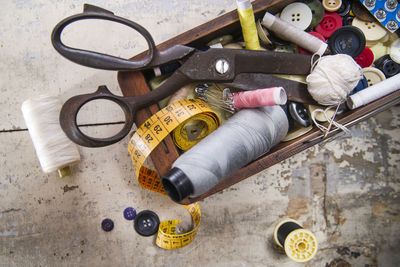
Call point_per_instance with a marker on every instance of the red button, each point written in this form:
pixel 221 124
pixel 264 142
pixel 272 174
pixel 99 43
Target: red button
pixel 330 23
pixel 366 58
pixel 305 52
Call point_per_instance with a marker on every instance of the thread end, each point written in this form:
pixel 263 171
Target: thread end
pixel 65 171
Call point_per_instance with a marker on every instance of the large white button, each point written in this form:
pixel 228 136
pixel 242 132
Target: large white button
pixel 372 30
pixel 297 14
pixel 373 75
pixel 395 51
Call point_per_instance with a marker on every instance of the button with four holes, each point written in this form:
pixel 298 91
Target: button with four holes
pixel 330 23
pixel 372 30
pixel 146 223
pixel 317 11
pixel 373 75
pixel 347 40
pixel 129 213
pixel 331 5
pixel 107 225
pixel 387 66
pixel 366 58
pixel 297 14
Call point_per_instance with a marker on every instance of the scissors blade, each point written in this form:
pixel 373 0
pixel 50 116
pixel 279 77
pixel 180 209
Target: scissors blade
pixel 247 61
pixel 296 91
pixel 176 52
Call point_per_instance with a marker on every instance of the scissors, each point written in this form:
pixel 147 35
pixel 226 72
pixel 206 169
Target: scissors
pixel 213 65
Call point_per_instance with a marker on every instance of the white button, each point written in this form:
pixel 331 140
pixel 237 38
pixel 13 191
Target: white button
pixel 395 51
pixel 297 14
pixel 372 31
pixel 331 5
pixel 379 50
pixel 373 75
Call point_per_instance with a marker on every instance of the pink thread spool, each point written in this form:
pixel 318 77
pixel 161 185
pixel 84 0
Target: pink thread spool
pixel 260 98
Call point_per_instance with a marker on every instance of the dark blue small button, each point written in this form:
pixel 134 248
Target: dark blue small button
pixel 129 213
pixel 387 66
pixel 361 85
pixel 107 225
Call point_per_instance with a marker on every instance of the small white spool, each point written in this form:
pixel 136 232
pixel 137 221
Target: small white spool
pixel 53 148
pixel 295 35
pixel 374 92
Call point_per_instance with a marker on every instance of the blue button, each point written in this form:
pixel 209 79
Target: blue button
pixel 107 225
pixel 129 213
pixel 361 85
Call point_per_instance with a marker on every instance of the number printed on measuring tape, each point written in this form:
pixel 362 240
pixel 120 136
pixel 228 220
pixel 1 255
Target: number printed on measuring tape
pixel 148 136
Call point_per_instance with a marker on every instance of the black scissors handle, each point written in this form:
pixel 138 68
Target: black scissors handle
pixel 95 59
pixel 70 110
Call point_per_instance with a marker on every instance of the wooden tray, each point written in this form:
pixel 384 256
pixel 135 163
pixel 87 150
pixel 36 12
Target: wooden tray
pixel 134 83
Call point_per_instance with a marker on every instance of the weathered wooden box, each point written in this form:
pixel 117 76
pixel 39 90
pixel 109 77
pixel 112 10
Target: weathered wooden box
pixel 134 83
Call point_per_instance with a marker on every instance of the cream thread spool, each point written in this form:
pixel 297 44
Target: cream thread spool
pixel 53 148
pixel 290 33
pixel 374 92
pixel 300 244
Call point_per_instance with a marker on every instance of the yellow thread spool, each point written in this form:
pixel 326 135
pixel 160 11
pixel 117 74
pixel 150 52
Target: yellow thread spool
pixel 300 244
pixel 248 23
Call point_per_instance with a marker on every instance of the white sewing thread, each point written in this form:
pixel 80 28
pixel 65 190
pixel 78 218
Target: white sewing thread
pixel 331 120
pixel 374 92
pixel 332 78
pixel 52 146
pixel 293 34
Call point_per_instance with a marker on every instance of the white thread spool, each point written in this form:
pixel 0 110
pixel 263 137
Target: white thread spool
pixel 246 136
pixel 295 35
pixel 374 92
pixel 53 148
pixel 333 78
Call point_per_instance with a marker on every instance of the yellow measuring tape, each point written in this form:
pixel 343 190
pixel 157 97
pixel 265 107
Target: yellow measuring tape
pixel 148 136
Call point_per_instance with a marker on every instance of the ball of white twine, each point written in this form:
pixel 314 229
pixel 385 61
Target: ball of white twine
pixel 332 78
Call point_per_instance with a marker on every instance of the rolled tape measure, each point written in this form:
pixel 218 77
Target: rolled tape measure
pixel 149 135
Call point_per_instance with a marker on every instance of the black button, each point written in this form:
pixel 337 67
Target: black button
pixel 345 8
pixel 299 113
pixel 146 223
pixel 347 40
pixel 107 225
pixel 387 66
pixel 347 20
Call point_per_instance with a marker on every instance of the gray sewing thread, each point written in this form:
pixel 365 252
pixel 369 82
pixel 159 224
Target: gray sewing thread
pixel 247 135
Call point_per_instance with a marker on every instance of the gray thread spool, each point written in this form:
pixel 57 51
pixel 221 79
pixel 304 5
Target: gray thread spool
pixel 247 135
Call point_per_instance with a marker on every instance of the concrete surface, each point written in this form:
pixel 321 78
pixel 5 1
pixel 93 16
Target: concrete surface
pixel 346 191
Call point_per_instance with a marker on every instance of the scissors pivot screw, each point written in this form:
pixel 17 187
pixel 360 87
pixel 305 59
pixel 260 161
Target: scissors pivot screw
pixel 222 66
